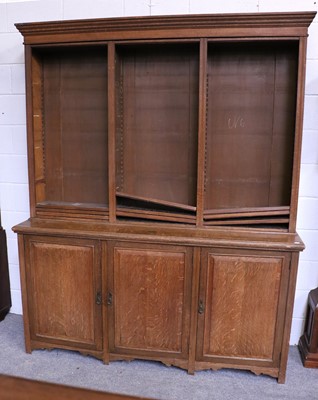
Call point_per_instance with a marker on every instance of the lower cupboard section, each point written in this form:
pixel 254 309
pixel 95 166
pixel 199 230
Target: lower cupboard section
pixel 196 308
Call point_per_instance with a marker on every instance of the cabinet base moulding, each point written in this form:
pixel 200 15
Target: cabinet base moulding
pixel 308 343
pixel 3 313
pixel 48 346
pixel 310 360
pixel 273 372
pixel 183 364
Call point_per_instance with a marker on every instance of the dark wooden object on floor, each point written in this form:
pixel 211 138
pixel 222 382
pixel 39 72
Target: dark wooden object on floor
pixel 5 296
pixel 308 343
pixel 164 158
pixel 12 388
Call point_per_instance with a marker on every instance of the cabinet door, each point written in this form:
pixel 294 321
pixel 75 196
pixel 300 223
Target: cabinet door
pixel 64 281
pixel 242 306
pixel 149 288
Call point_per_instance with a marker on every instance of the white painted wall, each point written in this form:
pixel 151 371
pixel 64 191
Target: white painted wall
pixel 14 201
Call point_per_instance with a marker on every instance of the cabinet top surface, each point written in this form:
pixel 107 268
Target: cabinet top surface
pixel 292 24
pixel 164 233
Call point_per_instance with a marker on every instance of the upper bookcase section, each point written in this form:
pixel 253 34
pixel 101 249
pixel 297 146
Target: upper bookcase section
pixel 165 27
pixel 193 120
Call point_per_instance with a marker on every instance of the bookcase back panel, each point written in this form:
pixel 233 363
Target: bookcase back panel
pixel 250 125
pixel 157 124
pixel 74 106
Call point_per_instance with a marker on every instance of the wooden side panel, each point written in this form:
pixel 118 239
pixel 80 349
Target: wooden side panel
pixel 151 300
pixel 298 132
pixel 37 128
pixel 63 279
pixel 241 300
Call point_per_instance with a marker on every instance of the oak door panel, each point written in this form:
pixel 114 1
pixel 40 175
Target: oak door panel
pixel 151 295
pixel 63 276
pixel 242 296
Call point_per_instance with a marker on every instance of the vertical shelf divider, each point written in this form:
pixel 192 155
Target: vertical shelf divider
pixel 111 131
pixel 202 130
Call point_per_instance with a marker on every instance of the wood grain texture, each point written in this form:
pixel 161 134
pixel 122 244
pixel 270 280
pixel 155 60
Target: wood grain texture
pixel 30 138
pixel 163 358
pixel 298 131
pixel 290 283
pixel 37 128
pixel 12 388
pixel 24 293
pixel 150 294
pixel 63 277
pixel 194 309
pixel 75 125
pixel 241 305
pixel 167 234
pixel 266 85
pixel 111 115
pixel 218 25
pixel 157 144
pixel 251 97
pixel 257 370
pixel 140 131
pixel 67 211
pixel 105 312
pixel 202 127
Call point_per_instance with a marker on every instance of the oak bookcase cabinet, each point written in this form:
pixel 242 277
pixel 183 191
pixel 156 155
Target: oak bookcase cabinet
pixel 164 157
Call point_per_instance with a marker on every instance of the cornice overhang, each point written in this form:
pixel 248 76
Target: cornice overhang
pixel 291 24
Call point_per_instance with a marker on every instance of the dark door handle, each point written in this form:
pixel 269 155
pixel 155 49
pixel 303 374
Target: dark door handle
pixel 201 307
pixel 98 299
pixel 109 299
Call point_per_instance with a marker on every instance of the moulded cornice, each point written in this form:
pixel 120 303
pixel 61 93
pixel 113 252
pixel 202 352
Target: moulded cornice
pixel 293 24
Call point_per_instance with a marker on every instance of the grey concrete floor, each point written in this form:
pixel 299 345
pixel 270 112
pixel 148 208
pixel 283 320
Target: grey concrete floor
pixel 148 379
